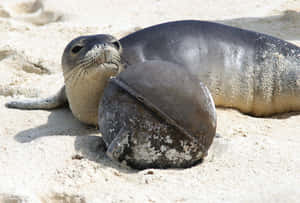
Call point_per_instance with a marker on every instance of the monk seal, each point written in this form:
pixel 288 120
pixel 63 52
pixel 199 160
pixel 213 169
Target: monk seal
pixel 253 72
pixel 151 120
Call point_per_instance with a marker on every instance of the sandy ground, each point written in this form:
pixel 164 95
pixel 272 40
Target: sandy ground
pixel 48 156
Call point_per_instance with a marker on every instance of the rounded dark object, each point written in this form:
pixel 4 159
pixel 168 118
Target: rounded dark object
pixel 156 115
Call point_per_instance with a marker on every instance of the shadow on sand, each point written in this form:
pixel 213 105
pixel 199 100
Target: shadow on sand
pixel 88 142
pixel 60 122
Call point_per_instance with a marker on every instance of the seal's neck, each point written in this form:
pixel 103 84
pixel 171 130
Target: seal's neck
pixel 85 93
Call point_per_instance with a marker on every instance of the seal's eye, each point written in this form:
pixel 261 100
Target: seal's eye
pixel 117 45
pixel 76 49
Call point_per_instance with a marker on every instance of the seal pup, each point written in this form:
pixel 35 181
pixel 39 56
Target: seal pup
pixel 255 73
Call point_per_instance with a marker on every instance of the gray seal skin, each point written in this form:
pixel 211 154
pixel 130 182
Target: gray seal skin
pixel 255 73
pixel 151 120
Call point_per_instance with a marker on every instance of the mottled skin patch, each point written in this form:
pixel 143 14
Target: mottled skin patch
pixel 144 129
pixel 152 142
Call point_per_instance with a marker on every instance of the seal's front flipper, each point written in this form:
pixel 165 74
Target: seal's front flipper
pixel 52 102
pixel 117 147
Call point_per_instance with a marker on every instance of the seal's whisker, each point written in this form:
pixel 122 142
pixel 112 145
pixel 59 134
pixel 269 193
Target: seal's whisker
pixel 75 75
pixel 78 74
pixel 69 74
pixel 81 72
pixel 72 73
pixel 84 71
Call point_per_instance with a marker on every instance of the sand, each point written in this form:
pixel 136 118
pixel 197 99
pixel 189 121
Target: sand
pixel 49 156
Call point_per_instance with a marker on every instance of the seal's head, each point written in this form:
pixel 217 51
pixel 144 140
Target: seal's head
pixel 88 62
pixel 94 51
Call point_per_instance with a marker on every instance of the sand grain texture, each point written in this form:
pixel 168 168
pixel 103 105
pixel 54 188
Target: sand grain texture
pixel 48 156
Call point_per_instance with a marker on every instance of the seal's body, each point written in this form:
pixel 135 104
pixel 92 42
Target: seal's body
pixel 253 72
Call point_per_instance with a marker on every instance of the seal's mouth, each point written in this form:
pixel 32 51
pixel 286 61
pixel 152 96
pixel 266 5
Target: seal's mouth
pixel 102 56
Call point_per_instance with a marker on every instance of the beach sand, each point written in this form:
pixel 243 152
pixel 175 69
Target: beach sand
pixel 49 156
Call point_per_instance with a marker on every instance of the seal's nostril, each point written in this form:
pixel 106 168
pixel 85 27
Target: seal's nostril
pixel 117 45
